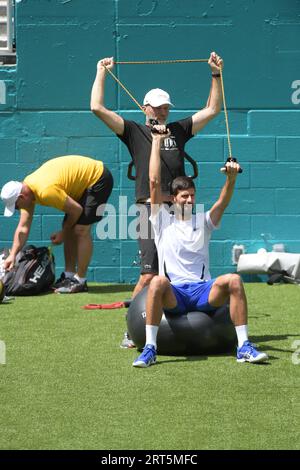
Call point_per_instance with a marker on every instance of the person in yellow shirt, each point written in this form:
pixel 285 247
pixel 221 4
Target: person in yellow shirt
pixel 77 185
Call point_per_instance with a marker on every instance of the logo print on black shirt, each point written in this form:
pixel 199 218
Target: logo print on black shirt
pixel 170 143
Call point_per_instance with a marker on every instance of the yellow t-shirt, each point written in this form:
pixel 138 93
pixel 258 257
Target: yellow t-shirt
pixel 61 177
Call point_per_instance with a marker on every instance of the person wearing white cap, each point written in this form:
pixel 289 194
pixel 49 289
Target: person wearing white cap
pixel 9 195
pixel 137 138
pixel 157 98
pixel 74 184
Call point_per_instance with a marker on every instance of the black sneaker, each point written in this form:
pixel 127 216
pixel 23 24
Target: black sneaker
pixel 60 281
pixel 71 286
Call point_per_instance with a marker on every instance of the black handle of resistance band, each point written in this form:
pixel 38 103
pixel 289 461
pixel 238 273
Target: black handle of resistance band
pixel 154 122
pixel 230 159
pixel 194 165
pixel 130 176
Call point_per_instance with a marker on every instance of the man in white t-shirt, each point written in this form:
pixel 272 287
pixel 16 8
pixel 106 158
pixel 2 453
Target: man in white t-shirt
pixel 182 240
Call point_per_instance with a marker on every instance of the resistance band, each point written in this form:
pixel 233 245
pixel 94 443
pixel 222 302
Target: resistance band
pixel 113 305
pixel 175 61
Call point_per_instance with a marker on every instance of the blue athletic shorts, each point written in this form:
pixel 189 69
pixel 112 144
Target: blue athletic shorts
pixel 192 296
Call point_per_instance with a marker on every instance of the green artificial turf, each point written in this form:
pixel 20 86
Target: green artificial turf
pixel 67 384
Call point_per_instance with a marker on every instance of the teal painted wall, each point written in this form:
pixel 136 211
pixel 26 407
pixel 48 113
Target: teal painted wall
pixel 45 109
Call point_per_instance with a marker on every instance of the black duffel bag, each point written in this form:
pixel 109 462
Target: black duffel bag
pixel 33 273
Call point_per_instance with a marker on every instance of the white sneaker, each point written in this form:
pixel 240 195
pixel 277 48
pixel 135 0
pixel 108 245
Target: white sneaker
pixel 127 342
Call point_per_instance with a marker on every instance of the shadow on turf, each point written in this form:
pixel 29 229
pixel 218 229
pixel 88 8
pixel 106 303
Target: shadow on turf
pixel 273 337
pixel 260 315
pixel 180 359
pixel 266 338
pixel 193 358
pixel 205 358
pixel 111 289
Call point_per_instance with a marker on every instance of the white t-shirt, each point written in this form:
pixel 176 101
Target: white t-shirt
pixel 182 246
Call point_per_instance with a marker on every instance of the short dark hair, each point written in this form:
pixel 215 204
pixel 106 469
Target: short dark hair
pixel 181 183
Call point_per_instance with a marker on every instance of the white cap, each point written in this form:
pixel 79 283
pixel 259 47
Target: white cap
pixel 157 97
pixel 9 195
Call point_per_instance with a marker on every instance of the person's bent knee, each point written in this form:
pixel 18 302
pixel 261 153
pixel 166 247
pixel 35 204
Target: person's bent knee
pixel 82 230
pixel 159 283
pixel 145 279
pixel 235 283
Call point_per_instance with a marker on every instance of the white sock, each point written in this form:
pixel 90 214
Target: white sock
pixel 151 334
pixel 69 274
pixel 242 334
pixel 80 279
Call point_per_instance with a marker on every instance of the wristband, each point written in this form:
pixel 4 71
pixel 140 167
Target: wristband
pixel 216 75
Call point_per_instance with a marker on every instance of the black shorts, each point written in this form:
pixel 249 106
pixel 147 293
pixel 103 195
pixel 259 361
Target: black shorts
pixel 93 197
pixel 148 252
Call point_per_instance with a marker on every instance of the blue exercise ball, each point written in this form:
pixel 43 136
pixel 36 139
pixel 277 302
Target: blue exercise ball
pixel 194 333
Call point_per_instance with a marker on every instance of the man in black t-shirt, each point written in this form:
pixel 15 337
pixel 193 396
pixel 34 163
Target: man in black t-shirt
pixel 138 140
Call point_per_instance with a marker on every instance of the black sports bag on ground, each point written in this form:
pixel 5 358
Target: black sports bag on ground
pixel 33 273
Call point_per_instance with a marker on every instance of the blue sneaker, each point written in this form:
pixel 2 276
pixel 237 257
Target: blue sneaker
pixel 248 353
pixel 147 358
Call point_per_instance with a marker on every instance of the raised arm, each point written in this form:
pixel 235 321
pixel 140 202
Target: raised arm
pixel 217 210
pixel 20 236
pixel 214 102
pixel 155 166
pixel 110 118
